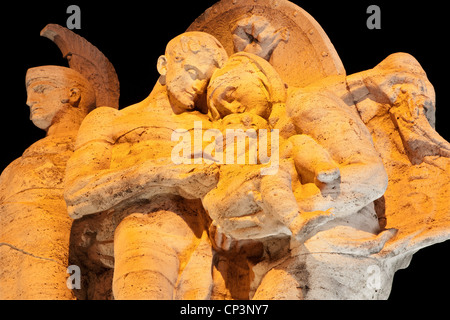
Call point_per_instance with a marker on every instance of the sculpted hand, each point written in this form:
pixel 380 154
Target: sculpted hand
pixel 247 206
pixel 189 181
pixel 306 222
pixel 227 245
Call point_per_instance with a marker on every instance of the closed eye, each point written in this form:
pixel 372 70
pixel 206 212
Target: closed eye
pixel 194 72
pixel 41 88
pixel 228 95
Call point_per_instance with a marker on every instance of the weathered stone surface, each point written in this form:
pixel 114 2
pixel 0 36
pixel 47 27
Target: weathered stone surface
pixel 35 228
pixel 279 31
pixel 255 169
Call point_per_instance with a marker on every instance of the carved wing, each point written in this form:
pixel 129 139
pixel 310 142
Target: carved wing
pixel 88 61
pixel 397 103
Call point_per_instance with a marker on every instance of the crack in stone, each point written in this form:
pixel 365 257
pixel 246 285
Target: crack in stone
pixel 29 253
pixel 6 200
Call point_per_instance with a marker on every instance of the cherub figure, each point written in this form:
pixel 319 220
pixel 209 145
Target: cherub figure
pixel 319 182
pixel 247 93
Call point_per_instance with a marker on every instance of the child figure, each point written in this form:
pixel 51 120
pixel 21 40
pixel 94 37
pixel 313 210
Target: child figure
pixel 247 93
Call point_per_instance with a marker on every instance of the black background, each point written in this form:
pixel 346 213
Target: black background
pixel 134 34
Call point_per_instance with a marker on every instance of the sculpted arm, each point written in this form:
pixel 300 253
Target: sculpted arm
pixel 94 184
pixel 88 172
pixel 363 177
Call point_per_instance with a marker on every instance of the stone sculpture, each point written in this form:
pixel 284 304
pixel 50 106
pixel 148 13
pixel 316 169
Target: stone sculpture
pixel 306 207
pixel 34 226
pixel 389 113
pixel 127 158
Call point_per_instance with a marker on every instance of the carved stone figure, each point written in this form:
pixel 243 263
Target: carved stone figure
pixel 335 111
pixel 255 34
pixel 332 183
pixel 310 182
pixel 122 163
pixel 34 224
pixel 278 31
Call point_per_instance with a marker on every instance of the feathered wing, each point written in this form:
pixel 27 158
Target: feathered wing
pixel 397 103
pixel 88 61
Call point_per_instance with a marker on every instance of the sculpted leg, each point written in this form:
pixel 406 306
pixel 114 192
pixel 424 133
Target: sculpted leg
pixel 279 284
pixel 34 248
pixel 151 250
pixel 145 268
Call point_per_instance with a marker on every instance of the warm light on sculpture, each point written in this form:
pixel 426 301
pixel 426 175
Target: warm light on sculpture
pixel 34 226
pixel 329 188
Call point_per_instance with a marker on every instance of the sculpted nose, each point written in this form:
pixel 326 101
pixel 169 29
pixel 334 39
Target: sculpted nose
pixel 32 99
pixel 199 86
pixel 30 102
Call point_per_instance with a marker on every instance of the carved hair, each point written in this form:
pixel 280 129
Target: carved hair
pixel 196 42
pixel 265 78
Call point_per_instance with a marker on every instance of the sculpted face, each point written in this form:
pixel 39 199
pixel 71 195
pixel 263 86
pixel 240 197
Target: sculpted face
pixel 46 100
pixel 241 86
pixel 234 95
pixel 188 65
pixel 52 91
pixel 187 77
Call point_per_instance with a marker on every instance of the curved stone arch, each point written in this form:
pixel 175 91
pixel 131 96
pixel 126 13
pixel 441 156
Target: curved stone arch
pixel 307 56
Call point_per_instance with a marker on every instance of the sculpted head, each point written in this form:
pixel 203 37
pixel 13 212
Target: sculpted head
pixel 246 84
pixel 54 92
pixel 187 66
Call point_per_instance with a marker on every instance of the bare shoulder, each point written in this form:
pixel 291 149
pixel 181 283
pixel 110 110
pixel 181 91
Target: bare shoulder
pixel 311 109
pixel 98 125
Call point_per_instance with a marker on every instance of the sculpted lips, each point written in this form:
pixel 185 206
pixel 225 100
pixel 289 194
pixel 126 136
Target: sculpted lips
pixel 35 109
pixel 191 96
